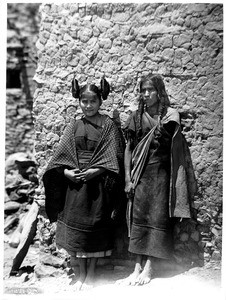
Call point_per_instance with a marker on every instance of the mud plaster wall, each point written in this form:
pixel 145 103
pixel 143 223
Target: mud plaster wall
pixel 183 43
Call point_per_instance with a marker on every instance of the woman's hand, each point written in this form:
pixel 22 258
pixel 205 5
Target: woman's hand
pixel 73 175
pixel 129 189
pixel 88 174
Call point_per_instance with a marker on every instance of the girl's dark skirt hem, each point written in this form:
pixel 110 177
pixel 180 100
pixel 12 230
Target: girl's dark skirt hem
pixel 73 239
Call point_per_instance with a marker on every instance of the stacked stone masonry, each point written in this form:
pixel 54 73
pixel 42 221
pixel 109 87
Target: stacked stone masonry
pixel 22 33
pixel 183 43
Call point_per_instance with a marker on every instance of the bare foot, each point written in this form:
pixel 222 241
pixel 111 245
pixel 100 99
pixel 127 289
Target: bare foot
pixel 87 286
pixel 79 283
pixel 73 280
pixel 144 277
pixel 89 282
pixel 130 280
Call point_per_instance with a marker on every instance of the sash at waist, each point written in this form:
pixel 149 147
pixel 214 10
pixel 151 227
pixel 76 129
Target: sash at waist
pixel 84 156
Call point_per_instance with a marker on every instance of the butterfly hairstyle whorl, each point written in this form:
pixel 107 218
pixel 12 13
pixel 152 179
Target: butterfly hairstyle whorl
pixel 75 88
pixel 102 92
pixel 104 88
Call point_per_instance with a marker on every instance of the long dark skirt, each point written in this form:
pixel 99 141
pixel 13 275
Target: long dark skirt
pixel 85 224
pixel 151 232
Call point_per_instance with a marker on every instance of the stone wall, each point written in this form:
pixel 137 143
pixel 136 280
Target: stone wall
pixel 183 43
pixel 22 33
pixel 19 134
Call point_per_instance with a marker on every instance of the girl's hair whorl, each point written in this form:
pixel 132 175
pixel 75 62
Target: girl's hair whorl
pixel 102 92
pixel 75 88
pixel 104 88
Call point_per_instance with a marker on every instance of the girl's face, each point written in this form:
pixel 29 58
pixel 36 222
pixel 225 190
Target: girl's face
pixel 89 104
pixel 149 93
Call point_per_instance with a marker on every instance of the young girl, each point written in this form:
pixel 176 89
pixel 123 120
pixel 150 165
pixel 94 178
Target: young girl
pixel 81 181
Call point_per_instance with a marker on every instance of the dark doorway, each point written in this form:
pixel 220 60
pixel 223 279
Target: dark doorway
pixel 13 79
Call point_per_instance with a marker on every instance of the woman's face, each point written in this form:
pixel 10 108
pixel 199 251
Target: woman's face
pixel 89 104
pixel 149 93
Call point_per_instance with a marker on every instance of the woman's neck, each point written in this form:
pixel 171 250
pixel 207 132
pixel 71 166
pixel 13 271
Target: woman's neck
pixel 153 110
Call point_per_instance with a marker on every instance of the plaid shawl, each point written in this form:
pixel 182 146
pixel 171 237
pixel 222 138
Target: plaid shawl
pixel 108 155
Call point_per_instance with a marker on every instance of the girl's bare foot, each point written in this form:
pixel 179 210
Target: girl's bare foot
pixel 87 286
pixel 89 280
pixel 83 271
pixel 79 283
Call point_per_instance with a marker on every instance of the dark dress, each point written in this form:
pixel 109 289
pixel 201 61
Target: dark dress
pixel 85 224
pixel 151 230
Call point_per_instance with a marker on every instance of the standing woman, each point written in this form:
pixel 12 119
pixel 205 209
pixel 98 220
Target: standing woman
pixel 81 182
pixel 155 177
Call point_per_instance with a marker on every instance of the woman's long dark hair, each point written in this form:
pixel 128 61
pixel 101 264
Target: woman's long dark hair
pixel 162 98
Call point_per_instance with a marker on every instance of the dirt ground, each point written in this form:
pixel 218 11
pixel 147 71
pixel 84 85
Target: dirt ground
pixel 196 283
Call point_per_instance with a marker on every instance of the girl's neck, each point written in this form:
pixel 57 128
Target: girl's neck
pixel 94 119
